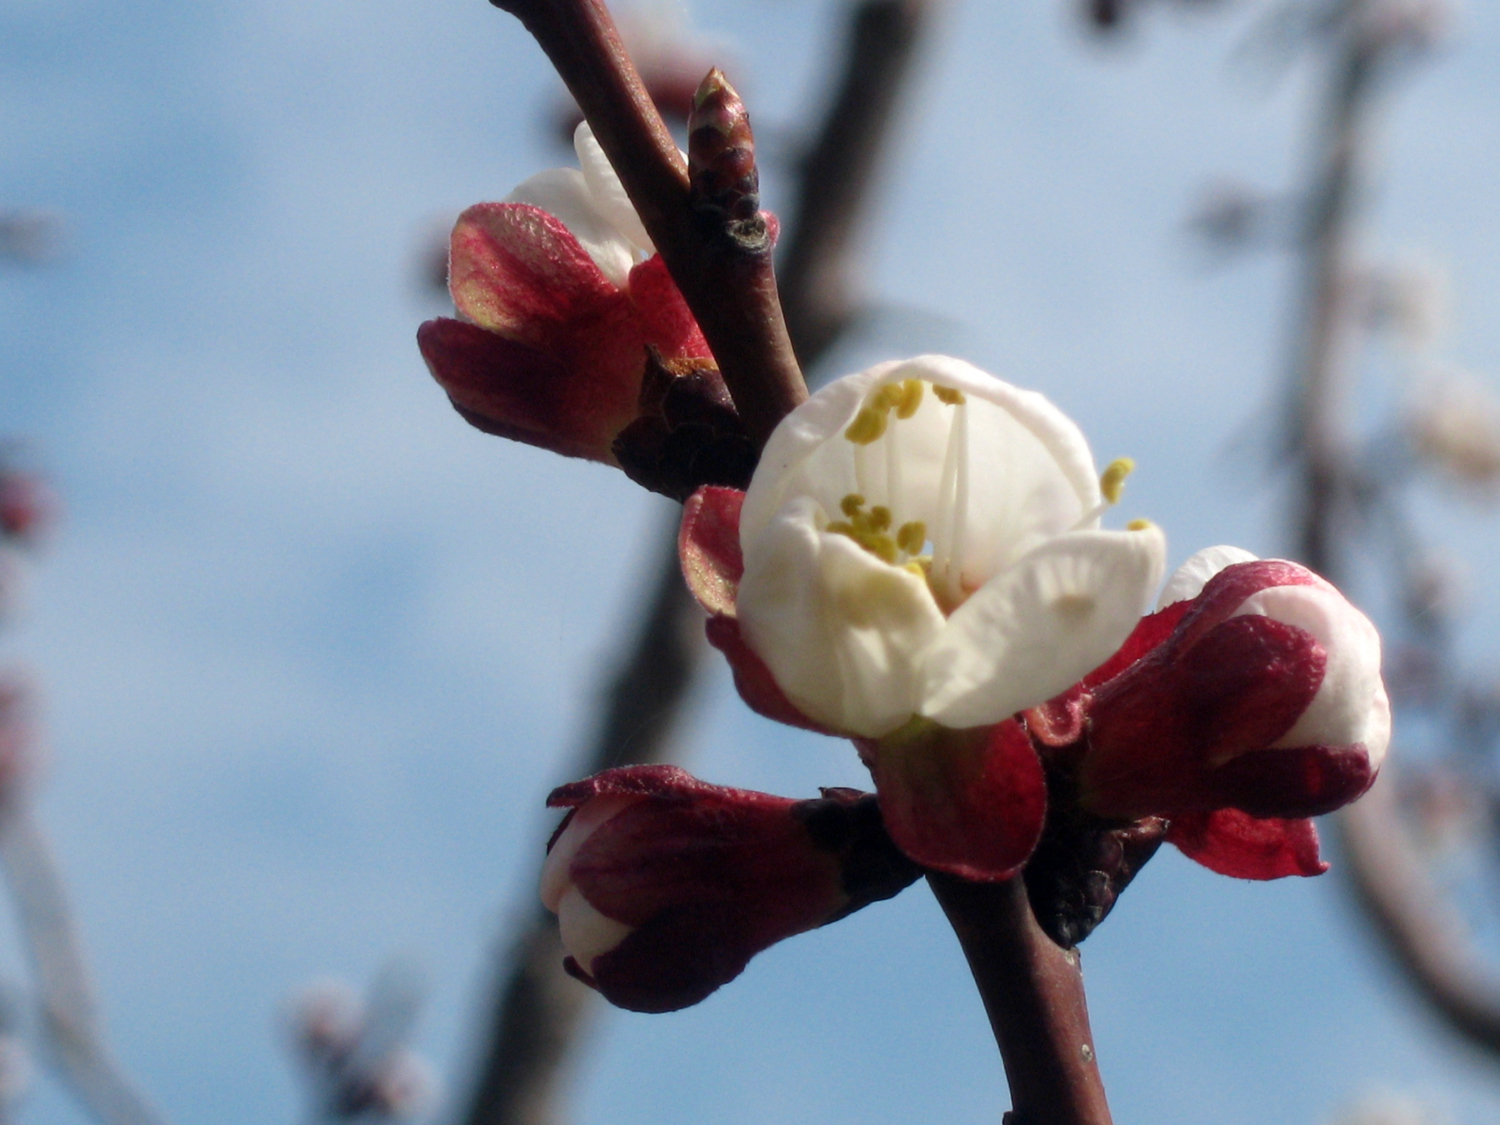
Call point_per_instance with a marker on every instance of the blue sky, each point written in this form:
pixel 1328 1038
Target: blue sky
pixel 314 651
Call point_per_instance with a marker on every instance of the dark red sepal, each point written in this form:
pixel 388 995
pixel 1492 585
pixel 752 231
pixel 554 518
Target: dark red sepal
pixel 753 680
pixel 1059 721
pixel 1237 844
pixel 1161 734
pixel 708 544
pixel 709 876
pixel 971 802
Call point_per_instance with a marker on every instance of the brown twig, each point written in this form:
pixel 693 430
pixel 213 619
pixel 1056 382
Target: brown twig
pixel 539 1012
pixel 729 284
pixel 1033 995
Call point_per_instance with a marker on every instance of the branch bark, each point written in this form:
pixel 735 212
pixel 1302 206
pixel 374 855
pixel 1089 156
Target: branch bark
pixel 539 1013
pixel 1033 995
pixel 729 286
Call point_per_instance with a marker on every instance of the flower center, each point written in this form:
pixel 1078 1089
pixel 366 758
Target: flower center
pixel 889 531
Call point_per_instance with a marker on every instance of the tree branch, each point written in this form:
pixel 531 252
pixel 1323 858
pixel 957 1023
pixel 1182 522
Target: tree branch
pixel 729 285
pixel 1414 920
pixel 1033 995
pixel 540 1012
pixel 817 270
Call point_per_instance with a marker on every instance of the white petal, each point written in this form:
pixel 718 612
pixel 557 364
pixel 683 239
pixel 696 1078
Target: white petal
pixel 586 933
pixel 1188 580
pixel 838 628
pixel 556 878
pixel 608 192
pixel 562 192
pixel 1351 705
pixel 1030 470
pixel 1041 625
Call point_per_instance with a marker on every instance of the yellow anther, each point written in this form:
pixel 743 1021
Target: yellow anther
pixel 1139 525
pixel 883 547
pixel 910 398
pixel 841 527
pixel 951 395
pixel 917 567
pixel 851 504
pixel 911 536
pixel 880 517
pixel 867 426
pixel 1112 480
pixel 886 397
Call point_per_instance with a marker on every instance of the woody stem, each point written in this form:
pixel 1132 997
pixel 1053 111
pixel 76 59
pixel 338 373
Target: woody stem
pixel 729 286
pixel 1033 994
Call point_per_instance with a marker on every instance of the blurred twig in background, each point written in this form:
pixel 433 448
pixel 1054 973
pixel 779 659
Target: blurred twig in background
pixel 538 1012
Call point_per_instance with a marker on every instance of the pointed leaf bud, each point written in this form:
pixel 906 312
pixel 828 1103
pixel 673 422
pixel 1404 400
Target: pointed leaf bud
pixel 721 162
pixel 666 886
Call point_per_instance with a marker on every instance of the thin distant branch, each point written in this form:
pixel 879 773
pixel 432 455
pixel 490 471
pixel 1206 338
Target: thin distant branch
pixel 539 1012
pixel 1414 920
pixel 1410 914
pixel 818 279
pixel 68 1009
pixel 729 285
pixel 1033 995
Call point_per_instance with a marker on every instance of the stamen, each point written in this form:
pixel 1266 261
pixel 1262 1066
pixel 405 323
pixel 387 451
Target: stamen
pixel 911 536
pixel 911 398
pixel 1139 525
pixel 867 426
pixel 950 395
pixel 851 503
pixel 880 517
pixel 1112 480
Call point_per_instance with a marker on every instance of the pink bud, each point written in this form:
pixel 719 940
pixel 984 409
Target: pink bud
pixel 666 886
pixel 1266 698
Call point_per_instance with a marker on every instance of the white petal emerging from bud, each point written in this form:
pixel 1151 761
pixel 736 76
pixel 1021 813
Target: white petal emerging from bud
pixel 1351 705
pixel 562 192
pixel 586 933
pixel 608 192
pixel 1188 580
pixel 922 538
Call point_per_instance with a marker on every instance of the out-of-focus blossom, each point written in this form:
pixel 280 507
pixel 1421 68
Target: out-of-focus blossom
pixel 665 887
pixel 26 505
pixel 1389 1108
pixel 670 57
pixel 561 302
pixel 1411 300
pixel 354 1052
pixel 1454 425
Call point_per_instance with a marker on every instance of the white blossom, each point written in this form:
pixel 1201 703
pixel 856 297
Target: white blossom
pixel 923 539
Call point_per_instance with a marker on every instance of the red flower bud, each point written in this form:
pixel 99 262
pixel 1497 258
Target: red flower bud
pixel 666 886
pixel 1265 698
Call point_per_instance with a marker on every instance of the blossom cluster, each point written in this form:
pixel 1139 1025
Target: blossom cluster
pixel 917 563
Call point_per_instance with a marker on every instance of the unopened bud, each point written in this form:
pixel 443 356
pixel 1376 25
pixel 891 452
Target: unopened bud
pixel 721 160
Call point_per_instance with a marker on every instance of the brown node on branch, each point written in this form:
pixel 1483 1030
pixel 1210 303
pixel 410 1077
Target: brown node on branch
pixel 721 163
pixel 1082 865
pixel 688 433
